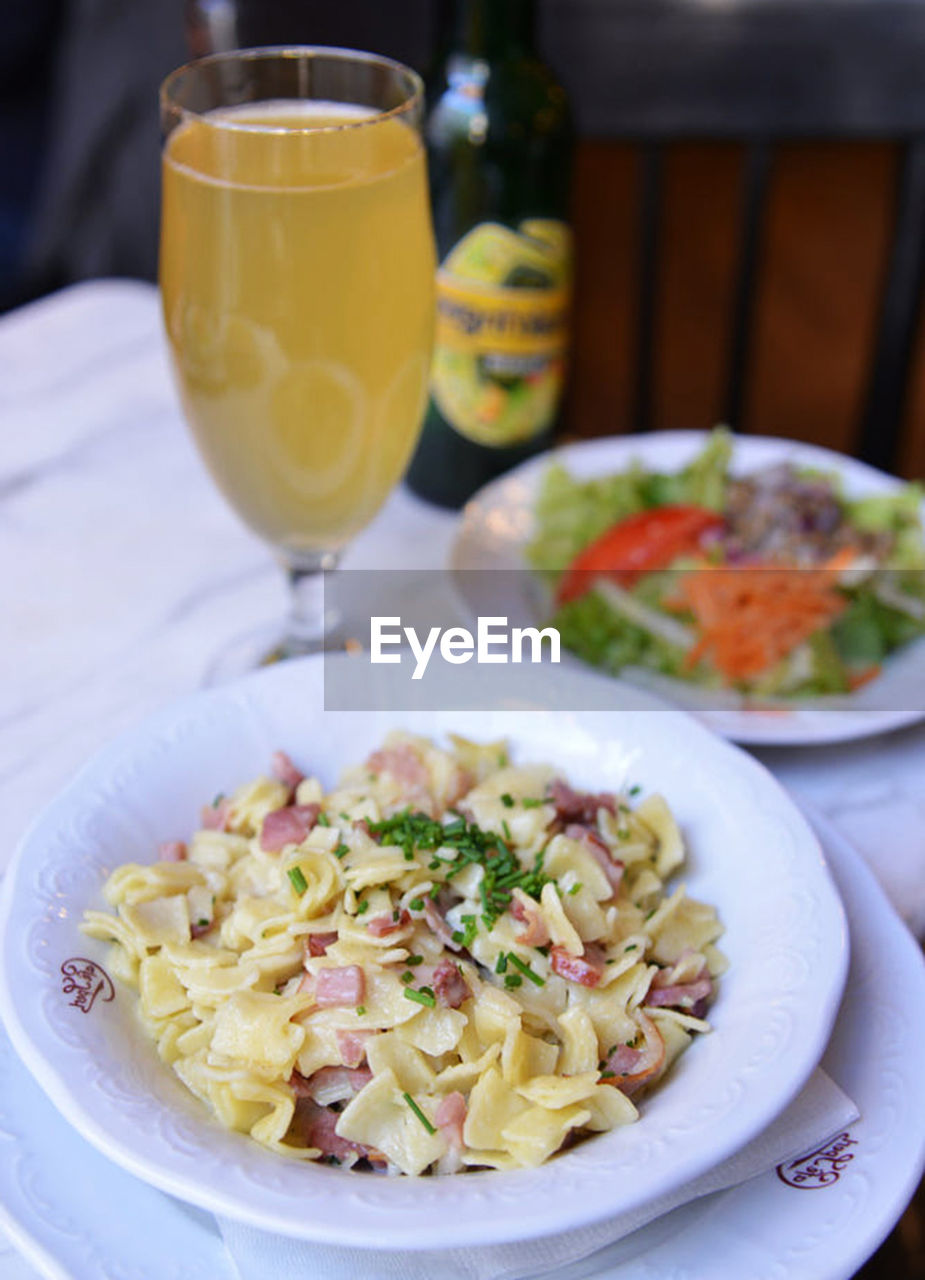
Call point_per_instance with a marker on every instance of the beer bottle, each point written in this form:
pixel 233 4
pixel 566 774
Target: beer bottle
pixel 499 138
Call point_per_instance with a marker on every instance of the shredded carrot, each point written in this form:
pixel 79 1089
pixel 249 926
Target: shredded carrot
pixel 750 618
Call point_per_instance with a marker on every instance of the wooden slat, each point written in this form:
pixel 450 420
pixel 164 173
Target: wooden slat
pixel 829 223
pixel 700 221
pixel 648 242
pixel 755 186
pixel 605 194
pixel 891 356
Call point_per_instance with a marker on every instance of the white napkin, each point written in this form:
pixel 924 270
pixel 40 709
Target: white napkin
pixel 818 1113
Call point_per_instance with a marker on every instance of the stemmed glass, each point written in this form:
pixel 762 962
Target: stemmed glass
pixel 297 278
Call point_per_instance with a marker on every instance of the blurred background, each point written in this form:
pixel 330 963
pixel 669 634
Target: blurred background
pixel 749 196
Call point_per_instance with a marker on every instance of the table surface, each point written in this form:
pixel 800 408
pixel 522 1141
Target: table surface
pixel 100 629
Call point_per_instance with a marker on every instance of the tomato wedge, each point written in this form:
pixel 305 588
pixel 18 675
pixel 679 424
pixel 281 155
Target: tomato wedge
pixel 637 545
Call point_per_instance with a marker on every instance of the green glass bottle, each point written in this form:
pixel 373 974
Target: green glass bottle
pixel 500 144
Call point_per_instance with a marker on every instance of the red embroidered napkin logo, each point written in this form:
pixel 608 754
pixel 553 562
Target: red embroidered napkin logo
pixel 85 980
pixel 821 1167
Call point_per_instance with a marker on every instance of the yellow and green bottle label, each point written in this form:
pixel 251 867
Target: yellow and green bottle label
pixel 502 330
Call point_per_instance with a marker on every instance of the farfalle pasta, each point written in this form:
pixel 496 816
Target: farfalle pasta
pixel 447 962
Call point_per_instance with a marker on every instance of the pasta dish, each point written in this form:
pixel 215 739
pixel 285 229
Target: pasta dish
pixel 447 962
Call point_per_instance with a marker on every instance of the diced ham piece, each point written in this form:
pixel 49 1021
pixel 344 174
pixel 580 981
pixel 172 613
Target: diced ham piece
pixel 342 986
pixel 439 926
pixel 382 925
pixel 525 910
pixel 330 1084
pixel 450 987
pixel 286 771
pixel 599 850
pixel 352 1046
pixel 586 969
pixel 450 1117
pixel 215 816
pixel 633 1068
pixel 404 764
pixel 317 1127
pixel 317 943
pixel 691 996
pixel 289 825
pixel 579 806
pixel 172 851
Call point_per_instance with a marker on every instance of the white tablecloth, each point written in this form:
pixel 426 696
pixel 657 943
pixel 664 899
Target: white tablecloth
pixel 123 573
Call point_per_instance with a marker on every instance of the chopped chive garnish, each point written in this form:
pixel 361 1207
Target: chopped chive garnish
pixel 342 850
pixel 418 1112
pixel 650 914
pixel 512 980
pixel 623 833
pixel 531 803
pixel 501 965
pixel 457 935
pixel 361 1009
pixel 608 1075
pixel 425 996
pixel 323 820
pixel 409 856
pixel 201 924
pixel 576 888
pixel 407 976
pixel 434 893
pixel 507 800
pixel 345 817
pixel 507 831
pixel 635 789
pixel 633 946
pixel 362 906
pixel 415 960
pixel 462 844
pixel 526 970
pixel 217 799
pixel 416 904
pixel 396 915
pixel 297 879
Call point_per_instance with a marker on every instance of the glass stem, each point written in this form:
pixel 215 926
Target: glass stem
pixel 311 624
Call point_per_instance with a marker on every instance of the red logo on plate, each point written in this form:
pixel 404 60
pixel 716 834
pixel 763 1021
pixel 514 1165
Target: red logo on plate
pixel 85 980
pixel 821 1167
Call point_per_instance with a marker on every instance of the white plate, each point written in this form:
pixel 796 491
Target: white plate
pixel 77 1216
pixel 497 523
pixel 752 854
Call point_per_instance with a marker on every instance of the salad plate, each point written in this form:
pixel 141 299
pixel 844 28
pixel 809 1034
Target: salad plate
pixel 77 1216
pixel 531 521
pixel 750 853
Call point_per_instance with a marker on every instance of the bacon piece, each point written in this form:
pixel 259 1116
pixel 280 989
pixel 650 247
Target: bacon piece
pixel 579 806
pixel 599 850
pixel 289 825
pixel 382 925
pixel 438 925
pixel 524 909
pixel 633 1068
pixel 450 987
pixel 686 996
pixel 171 851
pixel 330 1084
pixel 317 943
pixel 344 986
pixel 215 816
pixel 316 1126
pixel 404 764
pixel 352 1046
pixel 450 1117
pixel 286 771
pixel 586 969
